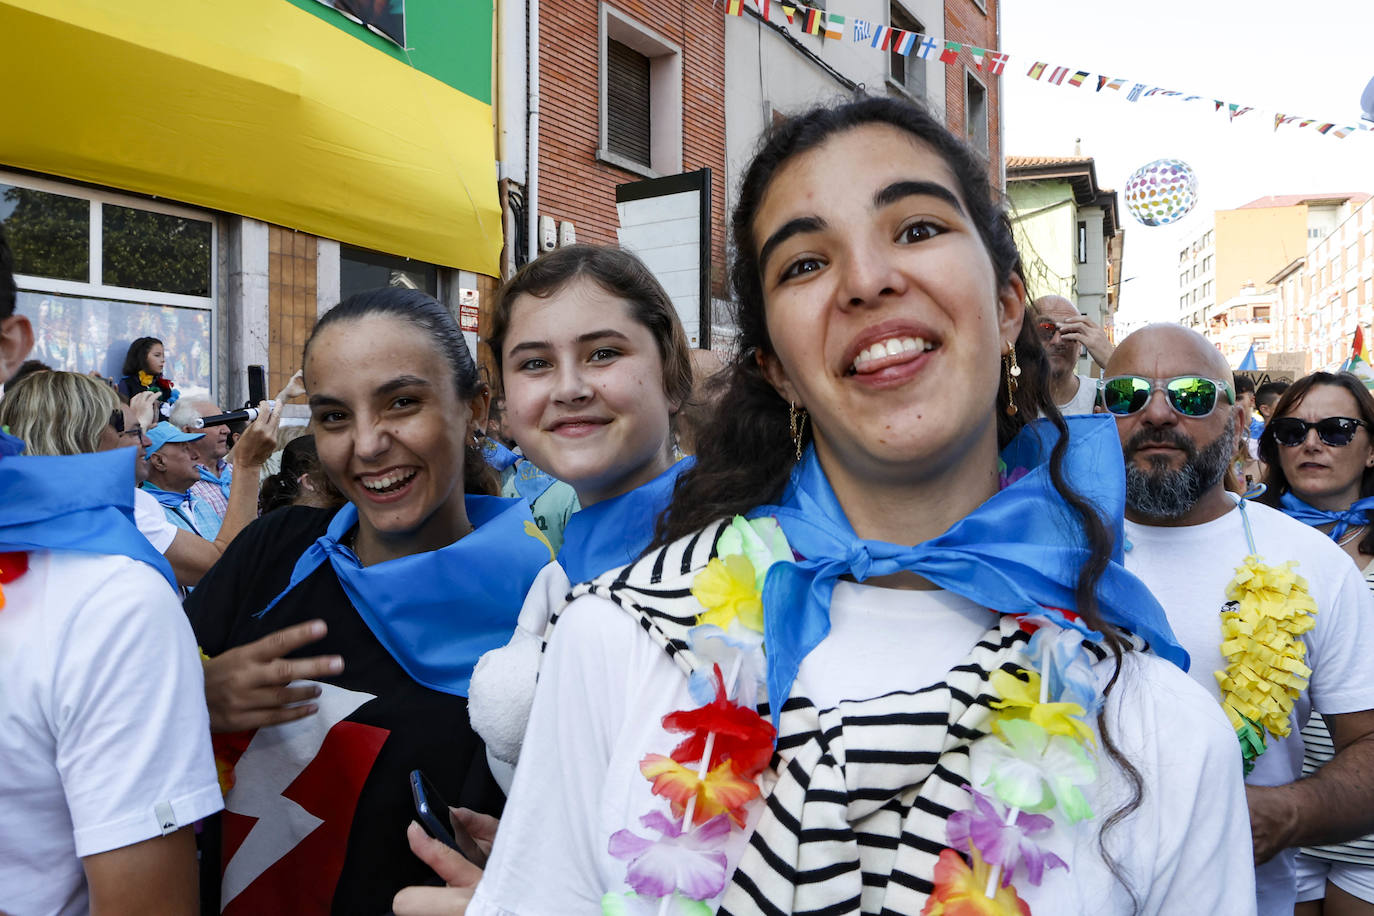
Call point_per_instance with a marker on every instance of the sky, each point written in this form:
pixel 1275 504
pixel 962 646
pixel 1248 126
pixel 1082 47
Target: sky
pixel 1311 58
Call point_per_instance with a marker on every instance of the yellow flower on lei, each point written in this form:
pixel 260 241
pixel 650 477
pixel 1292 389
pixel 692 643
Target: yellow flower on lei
pixel 1261 642
pixel 1021 700
pixel 961 890
pixel 727 589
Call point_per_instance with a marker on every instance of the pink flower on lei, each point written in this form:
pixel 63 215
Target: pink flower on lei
pixel 689 862
pixel 1001 843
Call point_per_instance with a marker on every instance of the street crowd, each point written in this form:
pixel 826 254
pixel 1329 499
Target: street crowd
pixel 887 609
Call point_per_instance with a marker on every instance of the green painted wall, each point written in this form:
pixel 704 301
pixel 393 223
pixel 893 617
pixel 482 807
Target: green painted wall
pixel 1045 225
pixel 448 39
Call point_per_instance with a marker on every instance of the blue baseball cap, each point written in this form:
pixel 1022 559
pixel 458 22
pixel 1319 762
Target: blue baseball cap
pixel 165 432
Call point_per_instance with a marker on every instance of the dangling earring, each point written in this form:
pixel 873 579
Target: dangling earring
pixel 1013 372
pixel 796 421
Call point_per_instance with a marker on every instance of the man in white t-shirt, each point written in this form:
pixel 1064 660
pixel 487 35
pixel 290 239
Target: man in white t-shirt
pixel 1066 333
pixel 105 756
pixel 1187 535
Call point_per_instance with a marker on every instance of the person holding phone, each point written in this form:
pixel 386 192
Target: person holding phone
pixel 1066 333
pixel 394 596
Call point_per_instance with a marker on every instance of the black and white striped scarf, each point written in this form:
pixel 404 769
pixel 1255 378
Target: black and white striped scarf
pixel 856 796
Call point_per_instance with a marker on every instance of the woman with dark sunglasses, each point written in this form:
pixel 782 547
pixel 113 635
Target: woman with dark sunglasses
pixel 1320 456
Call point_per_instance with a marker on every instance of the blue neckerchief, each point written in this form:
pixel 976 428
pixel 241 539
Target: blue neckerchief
pixel 1017 553
pixel 497 455
pixel 437 612
pixel 1357 514
pixel 530 481
pixel 616 531
pixel 223 482
pixel 72 502
pixel 169 498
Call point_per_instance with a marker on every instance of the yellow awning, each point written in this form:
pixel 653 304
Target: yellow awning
pixel 252 107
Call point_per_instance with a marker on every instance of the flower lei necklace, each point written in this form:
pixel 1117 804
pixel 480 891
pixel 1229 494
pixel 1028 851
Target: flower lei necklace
pixel 1036 756
pixel 12 566
pixel 1268 609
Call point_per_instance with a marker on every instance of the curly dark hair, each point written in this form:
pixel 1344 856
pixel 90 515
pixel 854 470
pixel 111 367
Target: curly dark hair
pixel 745 454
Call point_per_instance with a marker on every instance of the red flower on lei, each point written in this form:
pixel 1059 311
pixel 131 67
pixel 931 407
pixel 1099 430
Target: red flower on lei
pixel 12 566
pixel 743 737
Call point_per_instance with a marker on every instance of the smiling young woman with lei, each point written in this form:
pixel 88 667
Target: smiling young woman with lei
pixel 787 707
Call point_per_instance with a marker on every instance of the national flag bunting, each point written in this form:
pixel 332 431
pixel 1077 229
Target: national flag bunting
pixel 814 19
pixel 1058 74
pixel 834 27
pixel 1219 103
pixel 881 34
pixel 863 30
pixel 996 62
pixel 1078 78
pixel 904 44
pixel 1117 83
pixel 951 52
pixel 790 12
pixel 1136 90
pixel 927 47
pixel 1321 129
pixel 1101 81
pixel 734 7
pixel 763 8
pixel 1237 110
pixel 1037 70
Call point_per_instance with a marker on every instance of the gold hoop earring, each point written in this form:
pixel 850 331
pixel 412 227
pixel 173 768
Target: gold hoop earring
pixel 1013 372
pixel 796 422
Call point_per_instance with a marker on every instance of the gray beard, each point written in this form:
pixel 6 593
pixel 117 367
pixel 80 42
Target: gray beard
pixel 1161 492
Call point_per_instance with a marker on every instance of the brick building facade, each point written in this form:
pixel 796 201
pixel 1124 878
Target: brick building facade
pixel 972 96
pixel 576 180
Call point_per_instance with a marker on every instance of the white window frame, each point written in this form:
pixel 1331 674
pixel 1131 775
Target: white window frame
pixel 925 70
pixel 665 94
pixel 97 198
pixel 987 113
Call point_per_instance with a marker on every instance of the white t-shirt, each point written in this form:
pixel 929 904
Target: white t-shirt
pixel 1188 569
pixel 104 734
pixel 152 521
pixel 1083 401
pixel 605 686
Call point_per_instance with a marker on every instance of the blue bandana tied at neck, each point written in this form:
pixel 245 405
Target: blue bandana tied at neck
pixel 1357 514
pixel 200 517
pixel 1020 552
pixel 437 612
pixel 614 532
pixel 72 502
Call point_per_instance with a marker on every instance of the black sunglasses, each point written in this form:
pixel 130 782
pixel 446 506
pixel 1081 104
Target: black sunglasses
pixel 1334 431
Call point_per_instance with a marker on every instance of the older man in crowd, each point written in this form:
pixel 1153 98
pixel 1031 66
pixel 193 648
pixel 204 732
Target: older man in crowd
pixel 1188 539
pixel 216 472
pixel 171 473
pixel 1066 332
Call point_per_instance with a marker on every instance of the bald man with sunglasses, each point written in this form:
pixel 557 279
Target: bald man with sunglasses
pixel 1171 393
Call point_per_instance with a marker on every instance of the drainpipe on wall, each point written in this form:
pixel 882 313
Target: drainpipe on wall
pixel 532 185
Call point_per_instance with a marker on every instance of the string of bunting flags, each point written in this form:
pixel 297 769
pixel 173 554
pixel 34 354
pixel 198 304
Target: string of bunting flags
pixel 829 25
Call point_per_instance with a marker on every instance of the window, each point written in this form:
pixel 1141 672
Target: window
pixel 96 270
pixel 907 72
pixel 1261 313
pixel 975 113
pixel 641 98
pixel 1082 243
pixel 627 102
pixel 360 269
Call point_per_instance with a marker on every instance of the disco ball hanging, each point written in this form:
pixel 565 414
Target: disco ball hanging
pixel 1161 192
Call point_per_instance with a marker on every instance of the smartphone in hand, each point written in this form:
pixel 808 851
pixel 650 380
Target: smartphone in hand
pixel 432 812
